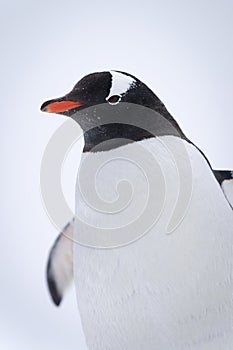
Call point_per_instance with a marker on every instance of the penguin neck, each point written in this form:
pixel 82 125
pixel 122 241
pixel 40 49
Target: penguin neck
pixel 114 135
pixel 109 127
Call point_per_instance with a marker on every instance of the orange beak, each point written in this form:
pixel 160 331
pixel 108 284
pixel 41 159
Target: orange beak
pixel 59 106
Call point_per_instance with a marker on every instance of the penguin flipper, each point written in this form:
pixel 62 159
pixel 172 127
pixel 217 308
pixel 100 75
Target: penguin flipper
pixel 60 264
pixel 225 179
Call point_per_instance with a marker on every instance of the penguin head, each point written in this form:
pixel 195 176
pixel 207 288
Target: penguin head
pixel 114 105
pixel 110 87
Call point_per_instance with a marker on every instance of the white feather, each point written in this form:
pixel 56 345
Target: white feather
pixel 162 291
pixel 120 83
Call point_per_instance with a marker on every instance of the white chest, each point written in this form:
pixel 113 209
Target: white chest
pixel 160 291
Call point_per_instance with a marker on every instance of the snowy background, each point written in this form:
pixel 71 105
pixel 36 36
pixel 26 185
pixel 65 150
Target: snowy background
pixel 182 49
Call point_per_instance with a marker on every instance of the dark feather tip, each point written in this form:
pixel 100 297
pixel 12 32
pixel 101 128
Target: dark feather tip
pixel 52 286
pixel 55 295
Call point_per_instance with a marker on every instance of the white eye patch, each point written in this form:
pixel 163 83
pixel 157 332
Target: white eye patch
pixel 120 84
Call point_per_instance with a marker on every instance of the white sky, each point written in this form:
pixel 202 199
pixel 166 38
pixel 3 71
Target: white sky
pixel 183 50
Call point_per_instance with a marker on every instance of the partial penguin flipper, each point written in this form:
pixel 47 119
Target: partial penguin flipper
pixel 60 264
pixel 225 179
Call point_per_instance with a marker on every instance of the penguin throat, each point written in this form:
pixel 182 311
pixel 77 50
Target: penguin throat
pixel 114 135
pixel 107 127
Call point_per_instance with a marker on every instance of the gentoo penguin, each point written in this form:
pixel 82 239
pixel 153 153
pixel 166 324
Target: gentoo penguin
pixel 159 289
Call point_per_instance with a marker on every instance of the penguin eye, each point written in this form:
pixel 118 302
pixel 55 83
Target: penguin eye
pixel 113 100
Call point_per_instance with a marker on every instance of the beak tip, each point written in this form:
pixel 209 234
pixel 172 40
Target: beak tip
pixel 44 107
